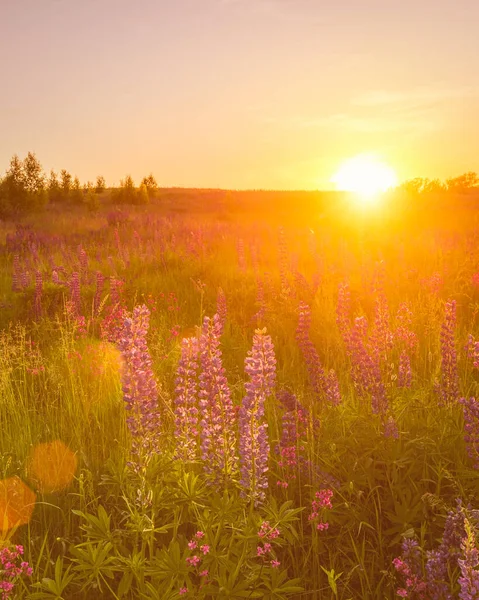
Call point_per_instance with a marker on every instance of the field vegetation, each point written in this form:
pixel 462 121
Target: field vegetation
pixel 213 394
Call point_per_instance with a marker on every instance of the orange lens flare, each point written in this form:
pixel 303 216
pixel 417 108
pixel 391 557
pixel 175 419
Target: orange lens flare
pixel 52 466
pixel 17 502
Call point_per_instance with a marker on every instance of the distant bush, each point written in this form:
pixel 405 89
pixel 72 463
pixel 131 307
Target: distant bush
pixel 142 196
pixel 150 184
pixel 100 185
pixel 23 188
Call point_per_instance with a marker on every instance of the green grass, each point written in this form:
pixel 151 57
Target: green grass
pixel 119 534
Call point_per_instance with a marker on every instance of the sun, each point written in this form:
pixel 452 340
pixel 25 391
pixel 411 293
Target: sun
pixel 365 176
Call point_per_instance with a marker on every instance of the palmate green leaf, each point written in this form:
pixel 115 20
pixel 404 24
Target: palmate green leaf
pixel 54 588
pixel 94 561
pixel 97 528
pixel 125 584
pixel 191 490
pixel 169 563
pixel 278 585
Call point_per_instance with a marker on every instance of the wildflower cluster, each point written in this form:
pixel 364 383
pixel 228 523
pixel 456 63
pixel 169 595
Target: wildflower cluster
pixel 470 408
pixel 11 568
pixel 260 366
pixel 217 434
pixel 408 567
pixel 469 579
pixel 266 535
pixel 139 386
pixel 322 501
pixel 449 390
pixel 186 401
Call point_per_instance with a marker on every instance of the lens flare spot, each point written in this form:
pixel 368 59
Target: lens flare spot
pixel 52 466
pixel 17 502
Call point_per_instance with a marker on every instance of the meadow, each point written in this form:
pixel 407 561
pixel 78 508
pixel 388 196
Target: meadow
pixel 218 396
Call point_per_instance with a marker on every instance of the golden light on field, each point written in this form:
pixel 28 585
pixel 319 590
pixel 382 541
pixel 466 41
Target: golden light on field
pixel 52 466
pixel 17 502
pixel 366 177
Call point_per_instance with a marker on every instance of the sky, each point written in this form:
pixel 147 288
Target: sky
pixel 240 94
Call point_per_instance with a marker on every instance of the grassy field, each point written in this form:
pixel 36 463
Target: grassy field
pixel 231 396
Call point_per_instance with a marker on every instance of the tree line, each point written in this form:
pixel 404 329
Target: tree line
pixel 457 185
pixel 26 188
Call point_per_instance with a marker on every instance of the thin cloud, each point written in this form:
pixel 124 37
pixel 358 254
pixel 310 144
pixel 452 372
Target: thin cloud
pixel 417 97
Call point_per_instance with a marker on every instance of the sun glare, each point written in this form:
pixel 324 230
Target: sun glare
pixel 366 177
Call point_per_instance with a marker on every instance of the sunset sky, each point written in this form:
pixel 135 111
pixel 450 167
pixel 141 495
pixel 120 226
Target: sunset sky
pixel 240 93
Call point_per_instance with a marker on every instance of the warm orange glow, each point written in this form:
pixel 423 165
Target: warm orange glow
pixel 17 502
pixel 52 466
pixel 366 177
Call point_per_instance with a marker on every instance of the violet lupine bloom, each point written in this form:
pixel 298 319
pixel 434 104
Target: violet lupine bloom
pixel 310 354
pixel 469 579
pixel 83 260
pixel 404 373
pixel 409 567
pixel 37 298
pixel 449 390
pixel 472 349
pixel 221 307
pixel 366 369
pixel 16 283
pixel 186 401
pixel 470 408
pixel 381 339
pixel 333 393
pixel 260 366
pixel 218 443
pixel 139 387
pixel 445 557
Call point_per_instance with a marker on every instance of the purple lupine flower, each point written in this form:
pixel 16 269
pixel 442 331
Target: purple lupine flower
pixel 116 289
pixel 139 387
pixel 381 339
pixel 24 278
pixel 366 369
pixel 100 282
pixel 403 334
pixel 216 408
pixel 313 363
pixel 472 350
pixel 445 557
pixel 186 401
pixel 75 294
pixel 390 428
pixel 83 260
pixel 37 298
pixel 333 393
pixel 221 307
pixel 260 366
pixel 16 283
pixel 470 408
pixel 409 567
pixel 469 579
pixel 404 373
pixel 449 390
